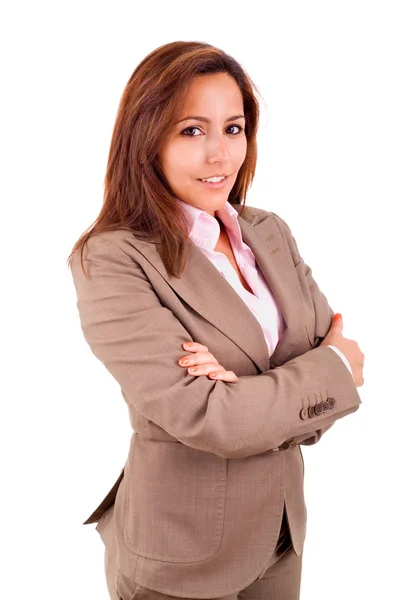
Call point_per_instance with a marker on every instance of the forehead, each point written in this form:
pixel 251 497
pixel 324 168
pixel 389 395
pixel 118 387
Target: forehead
pixel 211 92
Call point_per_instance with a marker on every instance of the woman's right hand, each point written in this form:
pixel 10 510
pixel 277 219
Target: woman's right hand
pixel 205 363
pixel 349 348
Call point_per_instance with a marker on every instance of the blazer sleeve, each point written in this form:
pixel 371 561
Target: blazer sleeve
pixel 139 341
pixel 323 314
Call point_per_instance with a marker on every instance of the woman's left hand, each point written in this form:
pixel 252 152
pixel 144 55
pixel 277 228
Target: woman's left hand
pixel 204 363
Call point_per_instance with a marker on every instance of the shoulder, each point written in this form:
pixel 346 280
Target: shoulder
pixel 258 217
pixel 114 241
pixel 255 216
pixel 102 249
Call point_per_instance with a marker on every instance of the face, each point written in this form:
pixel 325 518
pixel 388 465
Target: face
pixel 208 140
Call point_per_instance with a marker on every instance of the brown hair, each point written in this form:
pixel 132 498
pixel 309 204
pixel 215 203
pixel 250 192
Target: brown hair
pixel 137 197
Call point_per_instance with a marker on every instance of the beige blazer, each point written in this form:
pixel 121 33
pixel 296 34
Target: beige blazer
pixel 199 503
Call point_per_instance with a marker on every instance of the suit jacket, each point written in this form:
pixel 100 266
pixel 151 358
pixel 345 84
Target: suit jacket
pixel 211 465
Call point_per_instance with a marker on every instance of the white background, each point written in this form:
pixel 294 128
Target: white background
pixel 328 164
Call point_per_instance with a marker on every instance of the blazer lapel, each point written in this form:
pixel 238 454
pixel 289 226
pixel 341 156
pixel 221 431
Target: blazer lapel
pixel 275 263
pixel 204 288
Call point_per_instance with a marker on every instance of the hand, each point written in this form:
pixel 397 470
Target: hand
pixel 205 363
pixel 349 348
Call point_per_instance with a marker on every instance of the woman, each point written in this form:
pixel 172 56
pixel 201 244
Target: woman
pixel 210 501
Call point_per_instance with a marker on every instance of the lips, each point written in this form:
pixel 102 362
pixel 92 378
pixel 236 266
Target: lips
pixel 217 185
pixel 212 176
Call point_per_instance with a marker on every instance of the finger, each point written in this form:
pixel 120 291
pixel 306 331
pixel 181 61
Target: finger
pixel 224 376
pixel 194 347
pixel 205 369
pixel 198 358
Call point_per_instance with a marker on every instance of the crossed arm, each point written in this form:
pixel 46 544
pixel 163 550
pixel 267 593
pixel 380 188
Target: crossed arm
pixel 129 331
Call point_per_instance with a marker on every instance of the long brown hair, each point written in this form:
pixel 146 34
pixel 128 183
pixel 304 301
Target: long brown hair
pixel 137 196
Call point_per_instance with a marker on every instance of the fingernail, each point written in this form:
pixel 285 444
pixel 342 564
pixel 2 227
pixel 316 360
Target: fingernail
pixel 337 317
pixel 212 374
pixel 187 344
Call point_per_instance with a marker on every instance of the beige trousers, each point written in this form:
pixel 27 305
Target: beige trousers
pixel 280 581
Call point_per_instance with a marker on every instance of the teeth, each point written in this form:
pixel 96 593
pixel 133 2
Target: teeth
pixel 214 179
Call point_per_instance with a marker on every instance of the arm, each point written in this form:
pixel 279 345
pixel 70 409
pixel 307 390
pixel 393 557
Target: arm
pixel 139 342
pixel 323 315
pixel 310 441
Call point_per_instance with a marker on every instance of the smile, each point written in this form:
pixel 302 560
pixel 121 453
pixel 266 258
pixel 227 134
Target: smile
pixel 219 183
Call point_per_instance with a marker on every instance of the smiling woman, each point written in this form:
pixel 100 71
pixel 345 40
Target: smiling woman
pixel 201 162
pixel 189 112
pixel 210 501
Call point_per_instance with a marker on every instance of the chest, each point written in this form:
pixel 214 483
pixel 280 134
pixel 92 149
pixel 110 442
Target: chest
pixel 223 245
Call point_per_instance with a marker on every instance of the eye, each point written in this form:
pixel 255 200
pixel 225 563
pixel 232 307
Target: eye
pixel 189 129
pixel 184 132
pixel 238 126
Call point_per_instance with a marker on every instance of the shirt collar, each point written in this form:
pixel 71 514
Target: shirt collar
pixel 204 230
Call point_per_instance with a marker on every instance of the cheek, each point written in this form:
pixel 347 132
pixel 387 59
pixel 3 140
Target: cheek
pixel 242 151
pixel 180 161
pixel 178 171
pixel 238 153
pixel 169 166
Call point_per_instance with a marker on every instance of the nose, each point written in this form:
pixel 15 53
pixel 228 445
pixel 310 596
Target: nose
pixel 217 149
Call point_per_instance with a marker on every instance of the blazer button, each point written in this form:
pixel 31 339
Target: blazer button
pixel 304 413
pixel 325 406
pixel 318 409
pixel 311 412
pixel 332 402
pixel 292 444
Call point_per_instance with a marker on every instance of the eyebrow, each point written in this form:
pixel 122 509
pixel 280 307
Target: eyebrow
pixel 205 120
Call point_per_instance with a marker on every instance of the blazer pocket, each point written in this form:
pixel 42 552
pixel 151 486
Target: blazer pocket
pixel 175 507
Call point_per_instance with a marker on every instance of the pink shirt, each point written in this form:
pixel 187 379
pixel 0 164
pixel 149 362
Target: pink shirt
pixel 204 230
